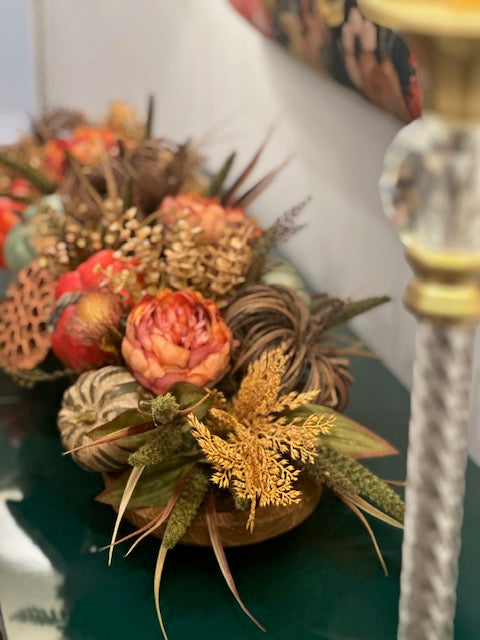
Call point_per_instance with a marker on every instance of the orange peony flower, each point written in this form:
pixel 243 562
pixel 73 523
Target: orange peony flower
pixel 207 213
pixel 176 336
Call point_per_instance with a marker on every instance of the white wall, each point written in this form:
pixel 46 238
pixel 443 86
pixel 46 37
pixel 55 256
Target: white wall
pixel 207 68
pixel 16 57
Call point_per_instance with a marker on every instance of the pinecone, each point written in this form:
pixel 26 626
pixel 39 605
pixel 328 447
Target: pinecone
pixel 216 270
pixel 183 256
pixel 140 242
pixel 228 262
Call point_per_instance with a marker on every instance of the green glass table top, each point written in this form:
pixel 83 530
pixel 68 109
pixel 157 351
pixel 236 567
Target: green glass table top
pixel 321 581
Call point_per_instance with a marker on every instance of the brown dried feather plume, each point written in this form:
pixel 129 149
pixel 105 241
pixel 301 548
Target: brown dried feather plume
pixel 263 316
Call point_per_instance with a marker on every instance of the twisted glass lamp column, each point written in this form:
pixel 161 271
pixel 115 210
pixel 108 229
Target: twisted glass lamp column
pixel 431 191
pixel 437 459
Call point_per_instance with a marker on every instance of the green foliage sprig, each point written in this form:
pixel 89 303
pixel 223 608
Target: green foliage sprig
pixel 37 178
pixel 162 444
pixel 164 409
pixel 352 309
pixel 346 476
pixel 186 507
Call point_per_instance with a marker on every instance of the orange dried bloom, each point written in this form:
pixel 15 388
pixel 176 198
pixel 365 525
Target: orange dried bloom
pixel 176 336
pixel 206 213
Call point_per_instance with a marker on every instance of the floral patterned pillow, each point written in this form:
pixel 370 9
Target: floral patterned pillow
pixel 333 35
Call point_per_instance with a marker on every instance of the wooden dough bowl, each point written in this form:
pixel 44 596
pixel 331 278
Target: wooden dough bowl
pixel 270 521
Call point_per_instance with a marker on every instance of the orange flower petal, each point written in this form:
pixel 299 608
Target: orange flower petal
pixel 176 336
pixel 168 353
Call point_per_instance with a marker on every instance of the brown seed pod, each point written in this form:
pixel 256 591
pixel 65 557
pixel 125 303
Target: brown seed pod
pixel 263 316
pixel 146 175
pixel 161 168
pixel 87 194
pixel 24 314
pixel 96 398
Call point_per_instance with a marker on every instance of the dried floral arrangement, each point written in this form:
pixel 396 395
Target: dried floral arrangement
pixel 206 384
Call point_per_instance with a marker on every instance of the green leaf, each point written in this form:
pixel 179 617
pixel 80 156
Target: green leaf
pixel 136 435
pixel 137 441
pixel 218 180
pixel 155 486
pixel 128 194
pixel 32 175
pixel 15 198
pixel 188 395
pixel 319 302
pixel 150 116
pixel 348 436
pixel 353 309
pixel 129 418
